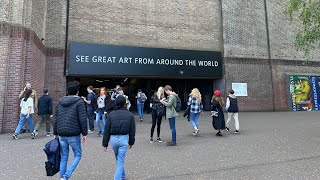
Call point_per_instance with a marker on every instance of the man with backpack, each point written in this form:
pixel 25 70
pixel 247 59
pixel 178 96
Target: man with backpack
pixel 141 99
pixel 173 105
pixel 91 102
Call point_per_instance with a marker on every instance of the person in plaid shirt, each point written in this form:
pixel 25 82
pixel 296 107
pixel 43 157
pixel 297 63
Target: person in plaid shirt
pixel 196 107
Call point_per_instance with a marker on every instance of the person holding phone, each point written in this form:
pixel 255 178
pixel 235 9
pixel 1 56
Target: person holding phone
pixel 27 110
pixel 33 96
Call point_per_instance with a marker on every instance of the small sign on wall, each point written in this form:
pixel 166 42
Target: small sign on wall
pixel 240 89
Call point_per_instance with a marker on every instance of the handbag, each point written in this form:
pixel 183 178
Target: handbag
pixel 52 150
pixel 215 113
pixel 187 113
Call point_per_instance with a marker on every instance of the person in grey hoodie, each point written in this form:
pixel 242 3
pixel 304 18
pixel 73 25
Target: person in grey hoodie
pixel 171 113
pixel 232 108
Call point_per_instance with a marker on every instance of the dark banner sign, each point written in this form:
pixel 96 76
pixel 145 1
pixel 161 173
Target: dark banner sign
pixel 109 60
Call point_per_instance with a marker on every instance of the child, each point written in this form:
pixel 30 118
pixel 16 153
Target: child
pixel 232 108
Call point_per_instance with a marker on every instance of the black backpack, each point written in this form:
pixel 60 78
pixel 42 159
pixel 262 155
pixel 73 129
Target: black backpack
pixel 178 104
pixel 94 101
pixel 160 110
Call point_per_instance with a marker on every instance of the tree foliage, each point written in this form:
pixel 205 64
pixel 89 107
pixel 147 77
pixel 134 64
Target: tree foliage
pixel 308 13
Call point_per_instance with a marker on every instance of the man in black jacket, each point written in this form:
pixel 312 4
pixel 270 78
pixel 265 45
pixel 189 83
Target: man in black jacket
pixel 70 122
pixel 44 113
pixel 121 130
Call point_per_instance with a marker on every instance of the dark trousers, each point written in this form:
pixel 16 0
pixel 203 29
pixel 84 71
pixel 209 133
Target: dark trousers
pixel 90 112
pixel 155 121
pixel 44 119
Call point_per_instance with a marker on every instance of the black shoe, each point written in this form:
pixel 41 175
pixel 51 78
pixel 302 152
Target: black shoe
pixel 171 143
pixel 219 134
pixel 159 140
pixel 227 129
pixel 15 136
pixel 151 140
pixel 236 132
pixel 33 136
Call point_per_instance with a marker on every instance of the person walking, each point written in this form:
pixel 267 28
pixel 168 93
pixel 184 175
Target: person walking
pixel 120 129
pixel 101 110
pixel 33 96
pixel 171 113
pixel 114 95
pixel 196 107
pixel 232 109
pixel 158 111
pixel 27 110
pixel 141 99
pixel 128 103
pixel 70 121
pixel 44 113
pixel 91 102
pixel 218 121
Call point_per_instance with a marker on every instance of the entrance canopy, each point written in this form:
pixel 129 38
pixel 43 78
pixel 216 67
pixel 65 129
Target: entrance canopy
pixel 109 60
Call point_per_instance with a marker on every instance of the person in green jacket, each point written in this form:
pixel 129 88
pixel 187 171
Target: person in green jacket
pixel 171 113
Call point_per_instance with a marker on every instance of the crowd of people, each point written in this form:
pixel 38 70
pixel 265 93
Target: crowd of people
pixel 74 116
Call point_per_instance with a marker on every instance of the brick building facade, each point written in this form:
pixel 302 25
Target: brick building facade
pixel 256 39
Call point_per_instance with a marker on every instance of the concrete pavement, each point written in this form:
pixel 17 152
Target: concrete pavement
pixel 281 145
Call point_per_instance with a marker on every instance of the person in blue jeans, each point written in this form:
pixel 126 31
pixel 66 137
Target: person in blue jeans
pixel 141 99
pixel 120 129
pixel 70 122
pixel 196 107
pixel 91 102
pixel 27 110
pixel 171 113
pixel 101 110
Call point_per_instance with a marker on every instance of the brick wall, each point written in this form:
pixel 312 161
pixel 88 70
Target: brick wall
pixel 244 29
pixel 26 58
pixel 4 58
pixel 192 24
pixel 55 24
pixel 55 81
pixel 39 17
pixel 282 33
pixel 280 68
pixel 256 73
pixel 15 76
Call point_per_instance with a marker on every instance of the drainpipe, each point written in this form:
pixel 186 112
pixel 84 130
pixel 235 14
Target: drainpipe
pixel 66 39
pixel 269 54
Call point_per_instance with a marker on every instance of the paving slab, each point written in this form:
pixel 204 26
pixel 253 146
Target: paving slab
pixel 271 145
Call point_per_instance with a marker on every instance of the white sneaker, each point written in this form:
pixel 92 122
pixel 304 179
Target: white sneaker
pixel 89 131
pixel 197 131
pixel 35 134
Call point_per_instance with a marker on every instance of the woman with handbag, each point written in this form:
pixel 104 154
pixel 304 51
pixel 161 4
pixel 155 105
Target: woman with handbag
pixel 196 107
pixel 217 114
pixel 158 111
